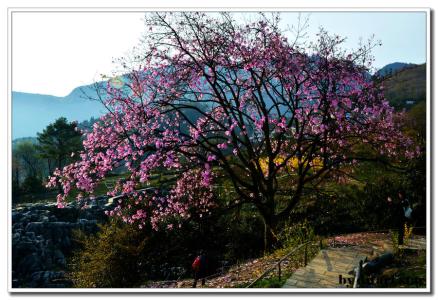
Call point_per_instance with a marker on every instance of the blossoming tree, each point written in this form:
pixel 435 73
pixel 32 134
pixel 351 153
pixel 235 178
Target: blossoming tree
pixel 211 96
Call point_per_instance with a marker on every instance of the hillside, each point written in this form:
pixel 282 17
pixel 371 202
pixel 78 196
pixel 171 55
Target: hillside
pixel 31 113
pixel 393 68
pixel 407 87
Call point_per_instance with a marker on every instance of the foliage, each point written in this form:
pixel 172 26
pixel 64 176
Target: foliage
pixel 26 155
pixel 16 174
pixel 407 271
pixel 87 125
pixel 58 142
pixel 272 282
pixel 343 209
pixel 360 201
pixel 294 234
pixel 35 158
pixel 407 233
pixel 415 121
pixel 109 259
pixel 394 240
pixel 146 254
pixel 27 170
pixel 32 184
pixel 408 84
pixel 415 183
pixel 241 233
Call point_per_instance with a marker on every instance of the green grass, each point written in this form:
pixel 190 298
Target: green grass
pixel 273 282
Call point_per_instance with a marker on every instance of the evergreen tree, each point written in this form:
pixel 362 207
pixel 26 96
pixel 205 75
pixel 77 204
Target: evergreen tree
pixel 58 142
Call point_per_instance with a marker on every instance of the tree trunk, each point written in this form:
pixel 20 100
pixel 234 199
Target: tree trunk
pixel 270 237
pixel 60 189
pixel 49 167
pixel 58 185
pixel 266 207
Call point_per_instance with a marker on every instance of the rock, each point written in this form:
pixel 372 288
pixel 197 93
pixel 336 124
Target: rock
pixel 16 237
pixel 36 227
pixel 67 214
pixel 24 247
pixel 34 217
pixel 42 238
pixel 30 235
pixel 17 226
pixel 59 258
pixel 44 219
pixel 16 216
pixel 30 263
pixel 47 279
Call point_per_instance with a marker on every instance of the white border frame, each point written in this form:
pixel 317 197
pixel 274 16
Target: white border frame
pixel 428 289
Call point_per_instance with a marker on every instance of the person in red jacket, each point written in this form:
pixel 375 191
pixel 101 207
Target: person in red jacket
pixel 199 267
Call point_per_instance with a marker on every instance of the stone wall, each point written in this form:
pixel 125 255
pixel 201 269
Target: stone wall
pixel 42 238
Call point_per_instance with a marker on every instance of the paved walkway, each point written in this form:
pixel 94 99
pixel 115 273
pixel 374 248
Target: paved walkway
pixel 418 242
pixel 333 267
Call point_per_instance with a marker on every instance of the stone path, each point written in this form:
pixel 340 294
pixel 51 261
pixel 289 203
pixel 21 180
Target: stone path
pixel 419 243
pixel 333 267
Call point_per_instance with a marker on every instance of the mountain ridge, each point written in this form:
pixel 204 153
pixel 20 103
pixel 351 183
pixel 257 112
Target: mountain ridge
pixel 32 112
pixel 392 68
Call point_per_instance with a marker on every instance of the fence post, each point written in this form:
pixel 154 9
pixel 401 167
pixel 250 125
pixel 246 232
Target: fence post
pixel 279 271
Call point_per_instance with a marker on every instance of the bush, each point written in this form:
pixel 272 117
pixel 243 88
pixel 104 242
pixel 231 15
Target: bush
pixel 273 282
pixel 362 205
pixel 295 234
pixel 33 184
pixel 109 259
pixel 124 256
pixel 242 235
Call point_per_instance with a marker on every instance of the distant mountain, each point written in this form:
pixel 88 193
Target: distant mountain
pixel 407 87
pixel 15 142
pixel 31 113
pixel 393 68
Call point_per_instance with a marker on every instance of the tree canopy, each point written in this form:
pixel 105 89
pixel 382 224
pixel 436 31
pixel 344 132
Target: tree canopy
pixel 213 97
pixel 58 141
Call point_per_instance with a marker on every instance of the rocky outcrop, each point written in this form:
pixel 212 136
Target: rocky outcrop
pixel 42 237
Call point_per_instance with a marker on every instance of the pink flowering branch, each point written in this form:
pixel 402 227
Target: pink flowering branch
pixel 216 97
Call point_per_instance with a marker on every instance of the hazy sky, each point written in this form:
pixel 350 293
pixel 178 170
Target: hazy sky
pixel 52 53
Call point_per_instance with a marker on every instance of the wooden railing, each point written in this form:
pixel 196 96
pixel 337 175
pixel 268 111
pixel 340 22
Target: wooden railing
pixel 277 265
pixel 358 274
